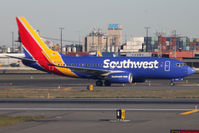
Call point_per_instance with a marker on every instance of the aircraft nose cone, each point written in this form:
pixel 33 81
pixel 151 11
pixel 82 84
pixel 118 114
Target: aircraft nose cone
pixel 190 71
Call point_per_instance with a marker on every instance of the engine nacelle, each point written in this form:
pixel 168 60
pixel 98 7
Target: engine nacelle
pixel 120 78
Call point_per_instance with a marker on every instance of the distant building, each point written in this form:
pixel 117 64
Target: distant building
pixel 96 40
pixel 114 37
pixel 73 48
pixel 111 42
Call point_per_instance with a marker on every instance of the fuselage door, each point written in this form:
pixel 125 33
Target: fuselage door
pixel 167 66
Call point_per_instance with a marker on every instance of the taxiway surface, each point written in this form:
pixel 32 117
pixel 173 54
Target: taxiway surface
pixel 145 115
pixel 48 81
pixel 96 115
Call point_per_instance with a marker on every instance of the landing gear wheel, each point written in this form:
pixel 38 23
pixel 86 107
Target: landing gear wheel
pixel 99 83
pixel 107 83
pixel 172 83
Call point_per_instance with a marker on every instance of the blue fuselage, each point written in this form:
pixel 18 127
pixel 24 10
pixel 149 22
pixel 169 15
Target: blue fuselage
pixel 140 67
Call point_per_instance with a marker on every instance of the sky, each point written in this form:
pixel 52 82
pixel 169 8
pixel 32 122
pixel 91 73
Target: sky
pixel 79 17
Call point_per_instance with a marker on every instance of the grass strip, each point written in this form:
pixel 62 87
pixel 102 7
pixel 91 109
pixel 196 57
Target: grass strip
pixel 99 93
pixel 13 120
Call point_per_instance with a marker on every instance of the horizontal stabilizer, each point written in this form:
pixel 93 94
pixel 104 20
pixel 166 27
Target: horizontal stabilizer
pixel 23 59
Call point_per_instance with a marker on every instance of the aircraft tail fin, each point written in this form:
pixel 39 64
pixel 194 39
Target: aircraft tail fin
pixel 37 50
pixel 30 39
pixel 34 46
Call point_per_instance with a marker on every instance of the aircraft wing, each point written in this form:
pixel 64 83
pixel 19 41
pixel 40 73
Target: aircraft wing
pixel 90 71
pixel 25 59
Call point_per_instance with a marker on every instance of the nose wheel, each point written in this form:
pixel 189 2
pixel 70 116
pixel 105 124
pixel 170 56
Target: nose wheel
pixel 172 83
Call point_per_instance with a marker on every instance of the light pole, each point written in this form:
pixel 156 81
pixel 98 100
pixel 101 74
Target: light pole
pixel 12 42
pixel 61 28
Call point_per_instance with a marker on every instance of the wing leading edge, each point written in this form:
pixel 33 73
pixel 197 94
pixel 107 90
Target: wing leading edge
pixel 89 71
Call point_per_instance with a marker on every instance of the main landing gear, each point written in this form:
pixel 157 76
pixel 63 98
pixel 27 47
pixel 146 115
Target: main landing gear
pixel 100 83
pixel 107 83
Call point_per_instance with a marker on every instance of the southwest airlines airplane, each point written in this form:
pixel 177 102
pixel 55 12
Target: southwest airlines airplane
pixel 105 70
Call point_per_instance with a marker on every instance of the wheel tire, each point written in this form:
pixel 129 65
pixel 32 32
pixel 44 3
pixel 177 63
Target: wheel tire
pixel 107 83
pixel 172 84
pixel 99 83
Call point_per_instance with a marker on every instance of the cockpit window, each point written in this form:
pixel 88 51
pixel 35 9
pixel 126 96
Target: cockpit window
pixel 180 64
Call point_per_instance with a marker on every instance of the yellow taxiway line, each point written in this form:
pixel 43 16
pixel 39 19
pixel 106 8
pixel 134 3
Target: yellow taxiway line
pixel 190 112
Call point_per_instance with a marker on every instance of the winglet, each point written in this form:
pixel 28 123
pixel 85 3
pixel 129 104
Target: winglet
pixel 98 54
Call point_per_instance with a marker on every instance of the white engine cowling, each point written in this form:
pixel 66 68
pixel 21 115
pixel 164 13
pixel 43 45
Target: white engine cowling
pixel 120 78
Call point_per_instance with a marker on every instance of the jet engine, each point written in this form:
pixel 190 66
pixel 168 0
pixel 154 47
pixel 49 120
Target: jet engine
pixel 120 77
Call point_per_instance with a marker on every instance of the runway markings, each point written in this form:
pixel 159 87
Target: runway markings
pixel 88 109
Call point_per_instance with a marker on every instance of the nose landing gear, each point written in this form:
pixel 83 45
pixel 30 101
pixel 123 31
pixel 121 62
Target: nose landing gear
pixel 172 83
